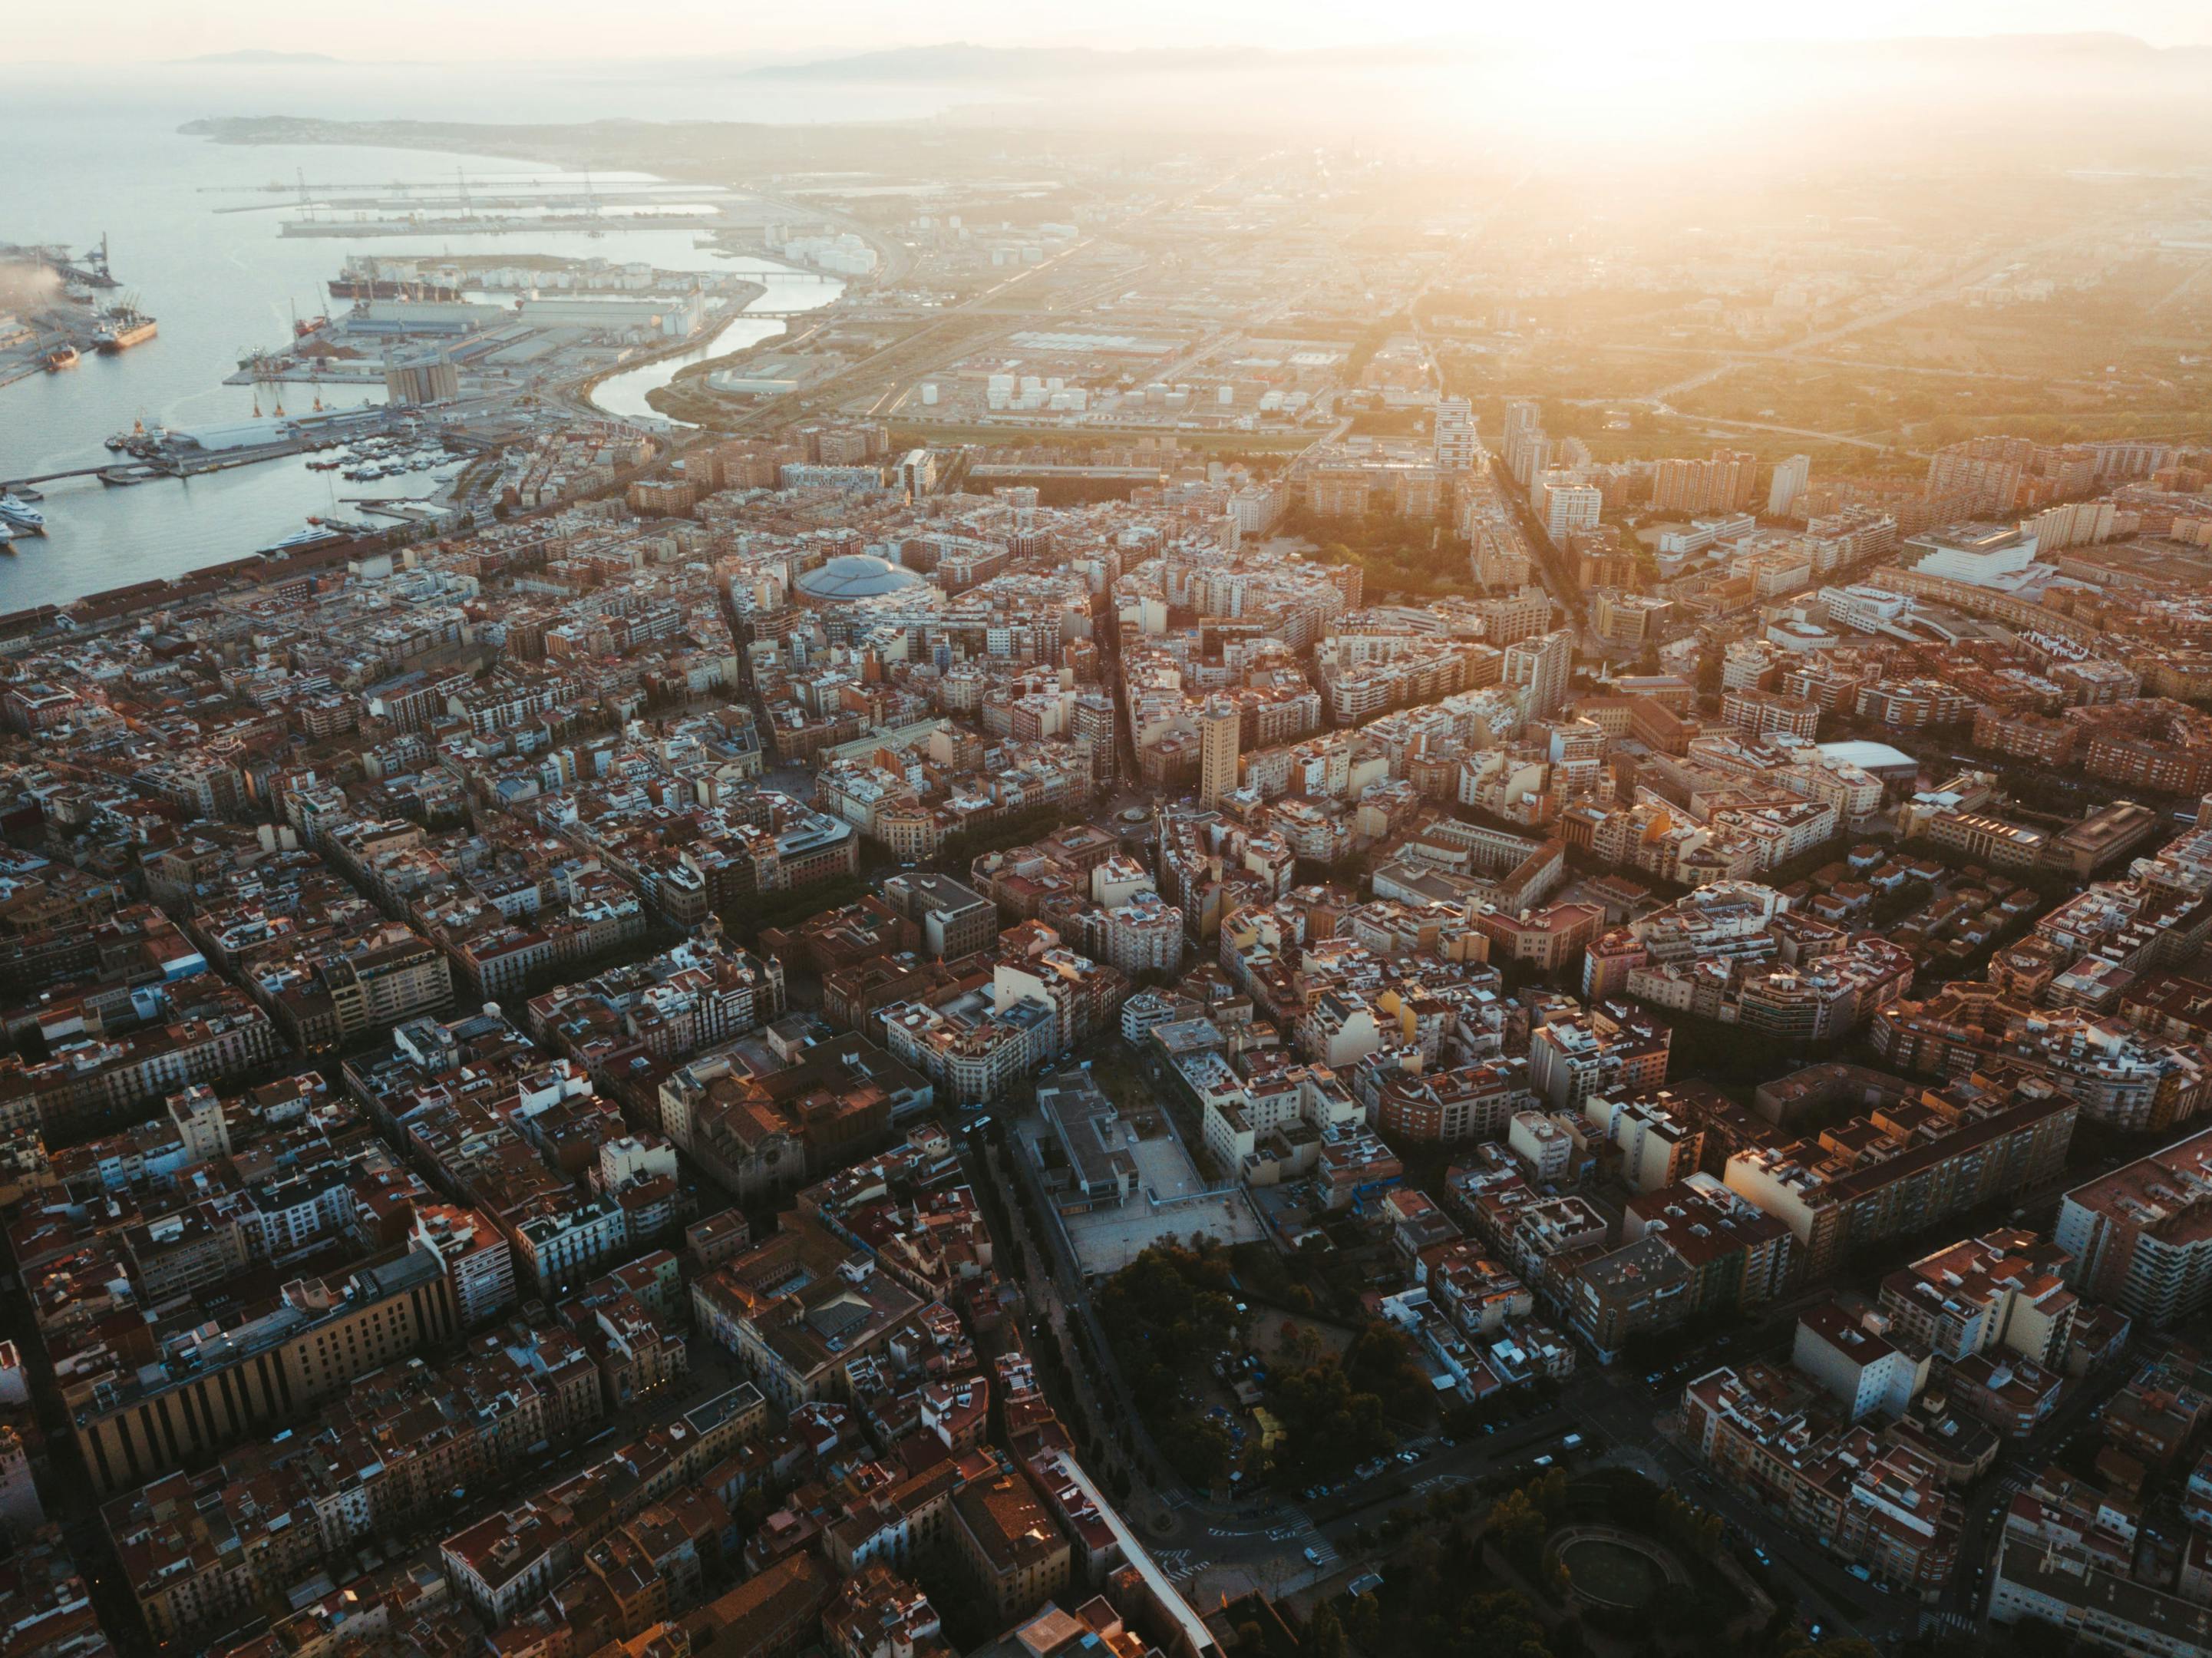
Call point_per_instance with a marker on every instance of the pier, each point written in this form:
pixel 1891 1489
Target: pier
pixel 91 269
pixel 493 225
pixel 162 458
pixel 144 469
pixel 99 471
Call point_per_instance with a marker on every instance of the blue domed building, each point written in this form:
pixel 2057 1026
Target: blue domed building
pixel 852 576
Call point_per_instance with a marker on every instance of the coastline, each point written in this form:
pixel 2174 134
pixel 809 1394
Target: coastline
pixel 597 144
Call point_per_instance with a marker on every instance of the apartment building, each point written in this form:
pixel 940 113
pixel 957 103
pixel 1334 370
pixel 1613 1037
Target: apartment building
pixel 2141 1237
pixel 2005 1288
pixel 1612 1049
pixel 214 1384
pixel 1767 1432
pixel 197 1550
pixel 1656 1148
pixel 2116 1074
pixel 1014 1554
pixel 1856 1363
pixel 955 921
pixel 211 1033
pixel 1610 1295
pixel 1539 667
pixel 1724 482
pixel 558 1251
pixel 1763 712
pixel 2074 1590
pixel 1737 1255
pixel 479 1258
pixel 798 1310
pixel 1475 1101
pixel 1910 1162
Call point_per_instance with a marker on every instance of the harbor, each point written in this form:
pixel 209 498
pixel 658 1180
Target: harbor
pixel 441 356
pixel 360 444
pixel 230 293
pixel 52 316
pixel 488 327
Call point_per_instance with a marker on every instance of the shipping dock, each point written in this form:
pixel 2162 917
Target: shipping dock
pixel 53 332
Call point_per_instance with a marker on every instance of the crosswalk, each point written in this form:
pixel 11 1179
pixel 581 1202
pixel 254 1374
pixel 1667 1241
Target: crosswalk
pixel 1948 1623
pixel 1437 1482
pixel 1180 1564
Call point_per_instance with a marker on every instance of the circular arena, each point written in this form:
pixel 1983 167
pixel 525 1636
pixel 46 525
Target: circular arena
pixel 852 576
pixel 1609 1567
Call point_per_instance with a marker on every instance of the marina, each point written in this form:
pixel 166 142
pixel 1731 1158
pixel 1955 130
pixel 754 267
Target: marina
pixel 229 350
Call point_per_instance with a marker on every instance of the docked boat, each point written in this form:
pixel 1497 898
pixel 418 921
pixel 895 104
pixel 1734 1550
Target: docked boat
pixel 314 535
pixel 126 326
pixel 61 357
pixel 20 516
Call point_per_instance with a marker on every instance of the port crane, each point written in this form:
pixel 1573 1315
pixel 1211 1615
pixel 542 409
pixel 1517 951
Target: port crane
pixel 262 365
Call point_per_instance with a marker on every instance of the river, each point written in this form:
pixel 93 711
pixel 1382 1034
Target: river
pixel 91 155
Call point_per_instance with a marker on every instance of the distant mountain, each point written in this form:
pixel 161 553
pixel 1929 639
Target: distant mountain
pixel 256 55
pixel 963 60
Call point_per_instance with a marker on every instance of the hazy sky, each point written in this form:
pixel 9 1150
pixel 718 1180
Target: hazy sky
pixel 570 29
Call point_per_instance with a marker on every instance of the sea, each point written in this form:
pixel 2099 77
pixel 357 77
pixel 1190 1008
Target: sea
pixel 92 153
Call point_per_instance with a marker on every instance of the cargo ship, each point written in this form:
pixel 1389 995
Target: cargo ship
pixel 124 328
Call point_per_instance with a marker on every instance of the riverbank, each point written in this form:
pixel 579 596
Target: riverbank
pixel 706 335
pixel 689 399
pixel 644 393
